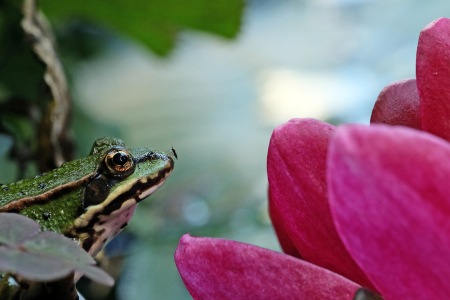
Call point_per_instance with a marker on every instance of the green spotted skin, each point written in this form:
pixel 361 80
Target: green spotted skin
pixel 57 200
pixel 58 213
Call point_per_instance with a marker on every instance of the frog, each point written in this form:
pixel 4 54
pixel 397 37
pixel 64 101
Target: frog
pixel 91 199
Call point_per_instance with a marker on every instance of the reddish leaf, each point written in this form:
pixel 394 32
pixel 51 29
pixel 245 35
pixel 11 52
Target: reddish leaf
pixel 42 256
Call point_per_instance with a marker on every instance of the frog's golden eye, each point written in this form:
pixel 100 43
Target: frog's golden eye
pixel 119 162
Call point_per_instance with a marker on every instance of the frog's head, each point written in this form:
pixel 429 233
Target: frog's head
pixel 123 178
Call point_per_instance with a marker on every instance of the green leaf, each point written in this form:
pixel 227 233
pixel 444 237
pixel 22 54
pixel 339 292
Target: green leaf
pixel 42 256
pixel 154 23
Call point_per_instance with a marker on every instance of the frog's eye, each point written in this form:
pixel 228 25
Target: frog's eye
pixel 119 162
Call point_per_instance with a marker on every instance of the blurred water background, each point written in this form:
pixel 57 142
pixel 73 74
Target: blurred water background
pixel 217 101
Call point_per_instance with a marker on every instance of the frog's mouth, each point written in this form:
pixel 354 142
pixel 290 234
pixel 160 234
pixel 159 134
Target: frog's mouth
pixel 108 226
pixel 101 223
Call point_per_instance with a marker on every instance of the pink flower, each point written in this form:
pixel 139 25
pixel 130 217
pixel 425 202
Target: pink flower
pixel 424 104
pixel 352 206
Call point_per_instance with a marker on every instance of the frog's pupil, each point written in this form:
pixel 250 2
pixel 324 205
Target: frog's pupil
pixel 120 159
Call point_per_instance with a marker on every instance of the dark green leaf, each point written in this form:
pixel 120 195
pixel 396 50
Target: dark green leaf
pixel 154 23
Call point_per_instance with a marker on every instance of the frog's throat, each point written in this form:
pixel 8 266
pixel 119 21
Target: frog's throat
pixel 102 222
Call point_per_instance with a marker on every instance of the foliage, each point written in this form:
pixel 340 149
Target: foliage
pixel 42 256
pixel 25 99
pixel 83 28
pixel 154 23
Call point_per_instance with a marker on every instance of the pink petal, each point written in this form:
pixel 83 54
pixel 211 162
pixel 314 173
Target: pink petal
pixel 390 200
pixel 296 165
pixel 433 77
pixel 285 242
pixel 398 104
pixel 217 269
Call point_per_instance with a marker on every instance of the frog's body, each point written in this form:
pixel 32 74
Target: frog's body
pixel 90 199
